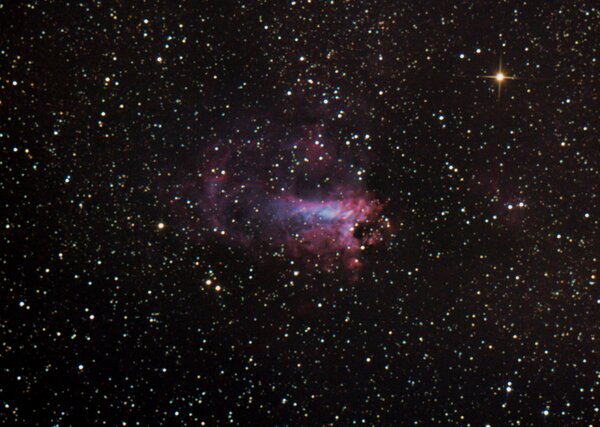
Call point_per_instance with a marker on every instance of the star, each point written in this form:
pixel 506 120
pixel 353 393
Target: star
pixel 500 77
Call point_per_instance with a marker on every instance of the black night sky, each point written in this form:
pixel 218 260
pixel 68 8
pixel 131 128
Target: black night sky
pixel 299 213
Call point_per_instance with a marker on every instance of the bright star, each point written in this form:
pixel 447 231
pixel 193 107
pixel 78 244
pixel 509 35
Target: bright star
pixel 500 77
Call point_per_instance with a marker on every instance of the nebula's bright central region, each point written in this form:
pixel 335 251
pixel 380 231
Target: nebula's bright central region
pixel 336 210
pixel 329 228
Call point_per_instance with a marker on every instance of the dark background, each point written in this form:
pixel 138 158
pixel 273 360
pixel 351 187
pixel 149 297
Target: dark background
pixel 475 310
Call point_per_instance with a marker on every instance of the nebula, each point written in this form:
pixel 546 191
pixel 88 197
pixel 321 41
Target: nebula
pixel 333 229
pixel 317 213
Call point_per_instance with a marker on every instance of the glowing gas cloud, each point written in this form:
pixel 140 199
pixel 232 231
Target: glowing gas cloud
pixel 315 210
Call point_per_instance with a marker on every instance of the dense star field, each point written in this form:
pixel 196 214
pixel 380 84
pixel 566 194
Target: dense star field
pixel 300 213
